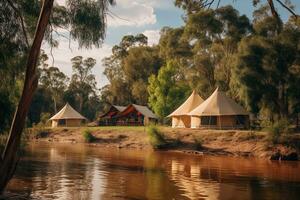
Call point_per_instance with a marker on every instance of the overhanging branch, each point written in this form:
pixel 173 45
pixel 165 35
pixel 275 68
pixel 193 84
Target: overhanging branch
pixel 21 20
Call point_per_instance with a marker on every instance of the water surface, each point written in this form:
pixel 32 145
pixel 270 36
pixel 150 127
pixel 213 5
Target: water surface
pixel 74 171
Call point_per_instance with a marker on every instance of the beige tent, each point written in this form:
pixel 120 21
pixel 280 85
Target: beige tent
pixel 67 117
pixel 219 111
pixel 180 117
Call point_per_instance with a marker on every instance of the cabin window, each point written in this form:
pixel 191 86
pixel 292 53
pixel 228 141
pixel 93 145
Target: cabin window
pixel 61 122
pixel 209 120
pixel 240 120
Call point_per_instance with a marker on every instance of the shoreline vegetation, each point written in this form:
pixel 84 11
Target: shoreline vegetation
pixel 245 143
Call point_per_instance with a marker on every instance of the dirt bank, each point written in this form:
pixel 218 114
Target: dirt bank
pixel 218 142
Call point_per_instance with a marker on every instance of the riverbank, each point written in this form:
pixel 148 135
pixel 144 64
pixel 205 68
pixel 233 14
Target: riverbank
pixel 212 142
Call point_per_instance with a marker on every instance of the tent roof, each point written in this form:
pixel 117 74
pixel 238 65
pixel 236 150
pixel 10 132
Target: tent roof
pixel 190 104
pixel 67 112
pixel 218 104
pixel 119 108
pixel 144 110
pixel 113 108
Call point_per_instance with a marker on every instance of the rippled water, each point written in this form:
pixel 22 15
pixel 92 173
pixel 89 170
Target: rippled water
pixel 80 172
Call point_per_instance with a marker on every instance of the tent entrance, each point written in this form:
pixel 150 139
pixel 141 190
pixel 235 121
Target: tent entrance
pixel 61 122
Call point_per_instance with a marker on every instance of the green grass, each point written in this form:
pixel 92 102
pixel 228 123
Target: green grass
pixel 106 128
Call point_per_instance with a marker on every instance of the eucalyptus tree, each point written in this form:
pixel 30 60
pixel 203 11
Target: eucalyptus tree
pixel 193 6
pixel 128 70
pixel 166 90
pixel 54 81
pixel 213 36
pixel 34 21
pixel 83 81
pixel 267 69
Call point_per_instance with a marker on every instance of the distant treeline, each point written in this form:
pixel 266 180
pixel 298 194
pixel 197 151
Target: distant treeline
pixel 255 61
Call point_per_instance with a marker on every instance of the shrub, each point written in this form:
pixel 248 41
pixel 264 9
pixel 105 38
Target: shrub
pixel 157 139
pixel 198 142
pixel 38 131
pixel 278 131
pixel 3 138
pixel 88 137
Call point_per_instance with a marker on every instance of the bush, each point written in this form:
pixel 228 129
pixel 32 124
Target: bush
pixel 88 137
pixel 38 131
pixel 198 143
pixel 157 139
pixel 278 131
pixel 3 138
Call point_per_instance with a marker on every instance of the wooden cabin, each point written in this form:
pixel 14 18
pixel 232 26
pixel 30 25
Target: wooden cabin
pixel 108 119
pixel 135 115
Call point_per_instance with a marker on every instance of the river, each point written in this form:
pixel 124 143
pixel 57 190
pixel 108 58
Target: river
pixel 77 171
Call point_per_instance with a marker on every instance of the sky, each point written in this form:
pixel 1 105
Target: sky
pixel 133 17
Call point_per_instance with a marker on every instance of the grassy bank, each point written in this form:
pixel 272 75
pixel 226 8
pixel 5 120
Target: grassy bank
pixel 220 142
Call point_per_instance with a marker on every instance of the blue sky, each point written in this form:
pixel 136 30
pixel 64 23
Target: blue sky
pixel 133 17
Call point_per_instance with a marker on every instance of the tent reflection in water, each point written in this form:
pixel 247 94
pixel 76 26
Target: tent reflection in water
pixel 220 112
pixel 67 117
pixel 180 117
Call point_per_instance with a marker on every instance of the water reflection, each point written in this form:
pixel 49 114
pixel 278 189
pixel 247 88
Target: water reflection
pixel 81 172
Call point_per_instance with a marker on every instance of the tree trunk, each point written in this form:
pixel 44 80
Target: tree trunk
pixel 54 104
pixel 10 157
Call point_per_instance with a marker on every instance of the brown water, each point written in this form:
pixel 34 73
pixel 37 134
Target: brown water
pixel 80 172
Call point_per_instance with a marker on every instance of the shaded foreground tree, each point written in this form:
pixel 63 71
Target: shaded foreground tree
pixel 87 22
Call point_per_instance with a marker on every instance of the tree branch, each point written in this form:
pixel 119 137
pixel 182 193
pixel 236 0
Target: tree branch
pixel 21 20
pixel 286 7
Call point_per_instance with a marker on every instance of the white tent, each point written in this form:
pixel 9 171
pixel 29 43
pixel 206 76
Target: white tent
pixel 219 111
pixel 67 117
pixel 180 117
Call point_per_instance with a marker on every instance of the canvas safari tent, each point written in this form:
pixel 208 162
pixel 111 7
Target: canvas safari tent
pixel 221 112
pixel 67 117
pixel 135 115
pixel 108 119
pixel 180 117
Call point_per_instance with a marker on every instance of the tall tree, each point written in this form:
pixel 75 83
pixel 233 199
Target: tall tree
pixel 166 90
pixel 53 80
pixel 87 22
pixel 128 70
pixel 192 6
pixel 267 69
pixel 214 36
pixel 83 82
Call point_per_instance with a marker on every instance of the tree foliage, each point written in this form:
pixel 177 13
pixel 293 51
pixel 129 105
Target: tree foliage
pixel 128 70
pixel 267 70
pixel 166 90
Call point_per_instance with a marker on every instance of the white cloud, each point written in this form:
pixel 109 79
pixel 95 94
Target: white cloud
pixel 63 54
pixel 131 13
pixel 153 36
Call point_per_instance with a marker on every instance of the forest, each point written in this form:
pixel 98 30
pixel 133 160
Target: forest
pixel 256 62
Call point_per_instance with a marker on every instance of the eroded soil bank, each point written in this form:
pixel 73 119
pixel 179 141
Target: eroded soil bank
pixel 215 142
